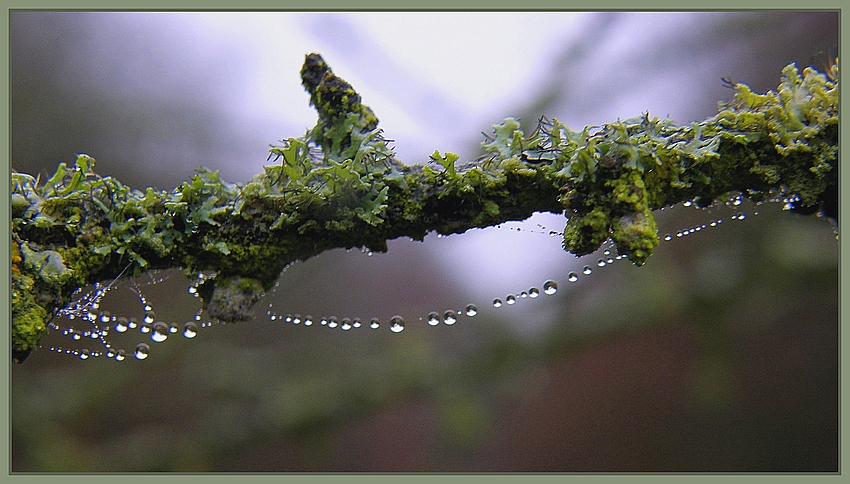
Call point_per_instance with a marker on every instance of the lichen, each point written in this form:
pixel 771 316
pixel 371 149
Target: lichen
pixel 339 185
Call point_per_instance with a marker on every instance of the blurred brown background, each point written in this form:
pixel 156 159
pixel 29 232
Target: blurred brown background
pixel 721 354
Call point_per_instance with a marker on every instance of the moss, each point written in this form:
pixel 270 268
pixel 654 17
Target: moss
pixel 586 233
pixel 339 185
pixel 233 297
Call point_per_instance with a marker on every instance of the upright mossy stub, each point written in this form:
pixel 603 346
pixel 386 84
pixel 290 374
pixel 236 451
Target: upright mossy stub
pixel 340 186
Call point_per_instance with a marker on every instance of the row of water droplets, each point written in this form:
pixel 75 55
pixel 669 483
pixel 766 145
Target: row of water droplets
pixel 100 324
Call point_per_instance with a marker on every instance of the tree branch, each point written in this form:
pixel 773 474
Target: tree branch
pixel 339 185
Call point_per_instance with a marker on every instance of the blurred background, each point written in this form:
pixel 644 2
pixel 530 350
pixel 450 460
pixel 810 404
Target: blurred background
pixel 721 354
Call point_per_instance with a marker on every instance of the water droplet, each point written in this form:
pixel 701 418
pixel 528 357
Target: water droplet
pixel 120 355
pixel 374 323
pixel 587 270
pixel 160 332
pixel 149 317
pixel 471 310
pixel 450 317
pixel 433 319
pixel 497 303
pixel 296 319
pixel 572 277
pixel 345 324
pixel 510 299
pixel 190 330
pixel 533 292
pixel 356 323
pixel 193 290
pixel 142 351
pixel 601 263
pixel 396 324
pixel 550 287
pixel 668 237
pixel 332 322
pixel 84 354
pixel 145 329
pixel 308 320
pixel 523 294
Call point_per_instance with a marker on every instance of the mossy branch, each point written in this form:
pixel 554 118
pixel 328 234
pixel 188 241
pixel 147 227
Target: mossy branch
pixel 340 186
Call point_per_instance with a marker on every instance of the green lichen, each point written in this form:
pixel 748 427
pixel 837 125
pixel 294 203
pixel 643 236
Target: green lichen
pixel 340 186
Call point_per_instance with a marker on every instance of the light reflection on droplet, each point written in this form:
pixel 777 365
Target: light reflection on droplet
pixel 160 332
pixel 396 324
pixel 450 317
pixel 550 287
pixel 190 330
pixel 433 319
pixel 471 310
pixel 142 351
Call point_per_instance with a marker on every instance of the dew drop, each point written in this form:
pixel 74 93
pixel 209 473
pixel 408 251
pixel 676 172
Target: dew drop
pixel 471 310
pixel 587 270
pixel 84 354
pixel 450 317
pixel 374 323
pixel 332 322
pixel 523 294
pixel 396 324
pixel 668 237
pixel 149 317
pixel 497 303
pixel 601 263
pixel 142 351
pixel 572 277
pixel 510 299
pixel 160 332
pixel 533 292
pixel 345 324
pixel 190 330
pixel 120 355
pixel 356 323
pixel 433 319
pixel 308 320
pixel 550 287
